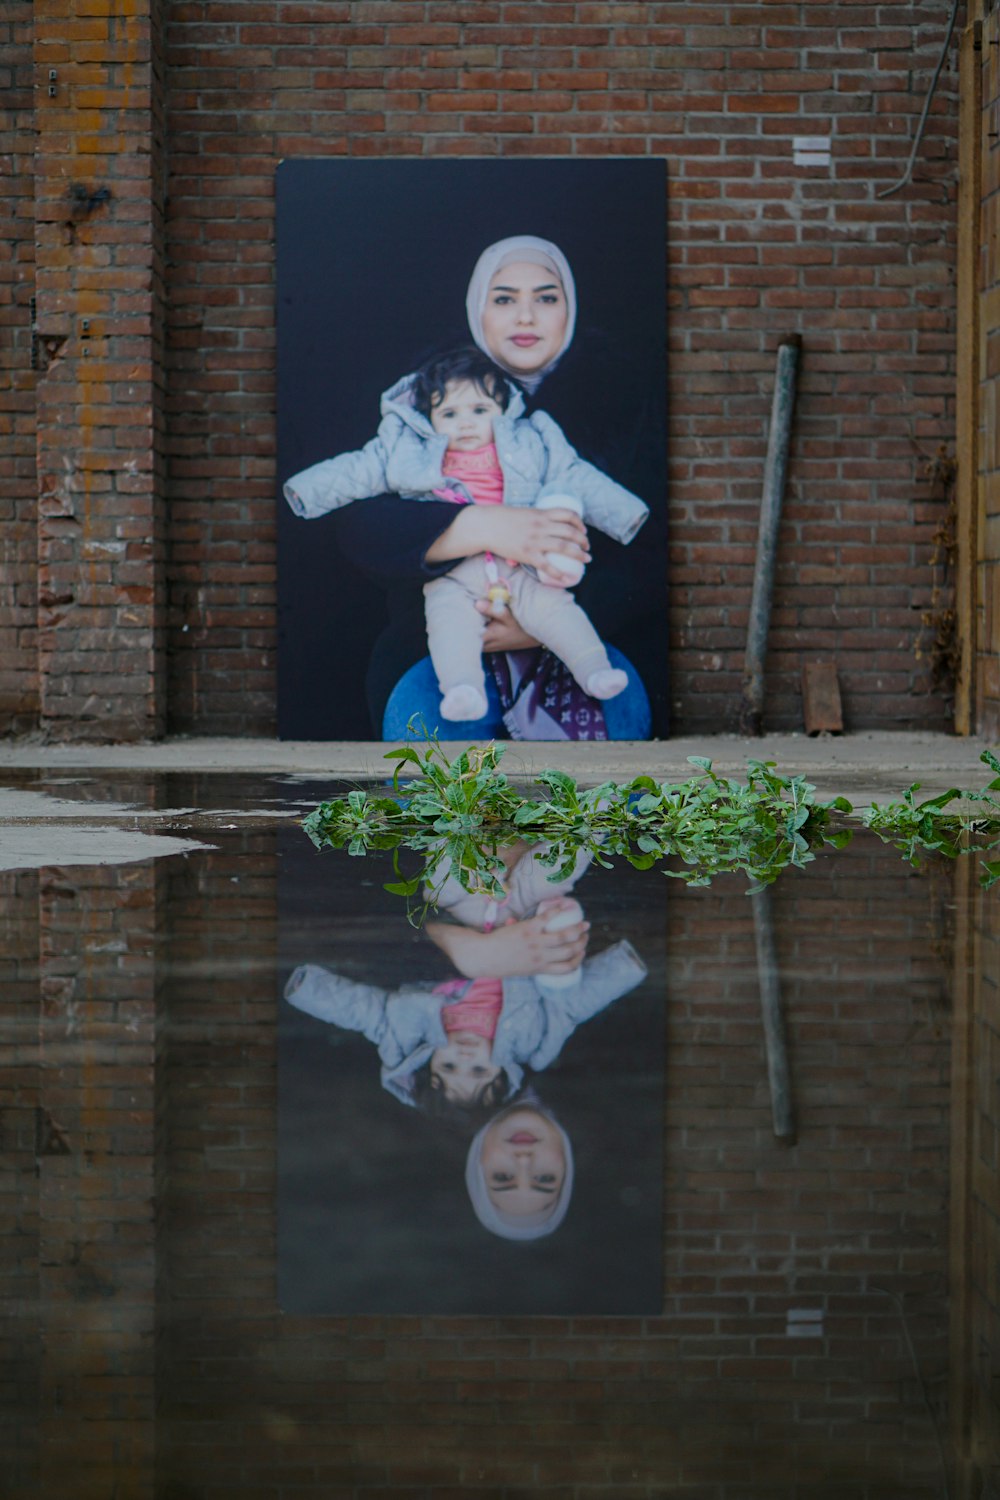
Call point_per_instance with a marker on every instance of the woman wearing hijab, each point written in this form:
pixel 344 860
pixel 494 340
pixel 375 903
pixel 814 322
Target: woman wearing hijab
pixel 522 312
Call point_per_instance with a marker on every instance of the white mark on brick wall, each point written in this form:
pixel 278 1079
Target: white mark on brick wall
pixel 811 150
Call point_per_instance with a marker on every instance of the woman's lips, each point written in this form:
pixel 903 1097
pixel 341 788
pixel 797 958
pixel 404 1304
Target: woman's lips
pixel 523 1138
pixel 525 340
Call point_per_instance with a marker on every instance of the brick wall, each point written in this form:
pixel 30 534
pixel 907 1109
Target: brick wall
pixel 19 703
pixel 759 247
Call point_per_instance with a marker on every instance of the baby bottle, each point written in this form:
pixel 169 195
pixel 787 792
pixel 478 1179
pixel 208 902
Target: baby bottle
pixel 570 569
pixel 563 916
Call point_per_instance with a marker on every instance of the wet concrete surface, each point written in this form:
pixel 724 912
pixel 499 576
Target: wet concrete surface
pixel 236 1262
pixel 54 787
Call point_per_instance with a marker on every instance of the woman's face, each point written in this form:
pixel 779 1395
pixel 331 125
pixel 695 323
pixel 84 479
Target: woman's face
pixel 524 1164
pixel 524 321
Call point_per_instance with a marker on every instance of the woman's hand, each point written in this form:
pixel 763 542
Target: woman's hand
pixel 515 532
pixel 503 634
pixel 518 948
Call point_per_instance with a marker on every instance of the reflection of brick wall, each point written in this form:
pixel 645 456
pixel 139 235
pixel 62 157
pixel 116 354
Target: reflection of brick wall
pixel 759 247
pixel 975 1398
pixel 20 1361
pixel 88 1422
pixel 713 1395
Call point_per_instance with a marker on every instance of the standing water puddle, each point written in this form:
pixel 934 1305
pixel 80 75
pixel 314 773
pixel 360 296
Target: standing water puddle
pixel 250 1248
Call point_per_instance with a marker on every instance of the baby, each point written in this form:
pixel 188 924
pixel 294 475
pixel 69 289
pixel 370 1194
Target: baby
pixel 456 430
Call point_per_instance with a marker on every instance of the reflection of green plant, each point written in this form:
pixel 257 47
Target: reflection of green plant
pixel 918 827
pixel 458 814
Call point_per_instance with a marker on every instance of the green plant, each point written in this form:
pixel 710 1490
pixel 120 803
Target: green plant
pixel 915 828
pixel 457 815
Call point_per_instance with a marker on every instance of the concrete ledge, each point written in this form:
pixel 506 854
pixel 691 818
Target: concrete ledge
pixel 872 764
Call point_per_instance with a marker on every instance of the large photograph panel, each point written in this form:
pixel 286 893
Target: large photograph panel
pixel 551 275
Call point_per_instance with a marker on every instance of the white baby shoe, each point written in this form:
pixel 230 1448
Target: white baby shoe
pixel 607 684
pixel 463 702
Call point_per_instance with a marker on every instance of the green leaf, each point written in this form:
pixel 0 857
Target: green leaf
pixel 941 800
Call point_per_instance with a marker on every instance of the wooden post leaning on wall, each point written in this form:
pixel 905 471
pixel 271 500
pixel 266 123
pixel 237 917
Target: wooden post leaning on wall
pixel 968 373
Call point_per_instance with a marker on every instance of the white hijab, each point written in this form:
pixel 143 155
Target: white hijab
pixel 510 1227
pixel 536 252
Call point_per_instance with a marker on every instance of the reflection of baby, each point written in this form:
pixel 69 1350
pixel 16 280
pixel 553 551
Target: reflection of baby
pixel 468 1041
pixel 456 430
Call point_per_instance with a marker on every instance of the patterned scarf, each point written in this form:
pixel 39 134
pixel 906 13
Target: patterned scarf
pixel 541 699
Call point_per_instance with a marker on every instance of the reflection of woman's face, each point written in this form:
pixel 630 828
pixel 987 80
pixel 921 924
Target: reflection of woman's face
pixel 524 320
pixel 524 1163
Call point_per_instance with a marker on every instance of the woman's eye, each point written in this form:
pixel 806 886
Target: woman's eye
pixel 545 1178
pixel 548 297
pixel 501 298
pixel 448 1067
pixel 498 1178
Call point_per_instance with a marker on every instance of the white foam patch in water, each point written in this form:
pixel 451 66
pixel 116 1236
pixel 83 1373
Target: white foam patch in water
pixel 28 847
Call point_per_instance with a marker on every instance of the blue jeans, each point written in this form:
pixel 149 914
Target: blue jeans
pixel 627 717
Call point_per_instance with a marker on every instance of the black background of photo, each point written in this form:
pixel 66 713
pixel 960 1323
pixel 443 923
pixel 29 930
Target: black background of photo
pixel 373 1214
pixel 373 262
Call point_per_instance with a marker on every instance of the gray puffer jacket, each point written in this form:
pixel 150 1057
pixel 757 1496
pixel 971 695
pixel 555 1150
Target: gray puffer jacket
pixel 405 459
pixel 406 1025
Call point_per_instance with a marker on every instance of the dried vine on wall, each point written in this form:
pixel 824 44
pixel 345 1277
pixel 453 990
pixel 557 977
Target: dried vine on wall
pixel 938 643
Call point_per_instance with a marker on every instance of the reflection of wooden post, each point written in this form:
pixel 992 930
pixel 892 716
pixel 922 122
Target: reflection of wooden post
pixel 961 1359
pixel 778 1077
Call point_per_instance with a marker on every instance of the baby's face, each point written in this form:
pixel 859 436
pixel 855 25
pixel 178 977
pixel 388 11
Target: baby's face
pixel 465 416
pixel 524 1164
pixel 463 1067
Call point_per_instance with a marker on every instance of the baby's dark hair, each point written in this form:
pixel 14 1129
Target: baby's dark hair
pixel 467 363
pixel 430 1099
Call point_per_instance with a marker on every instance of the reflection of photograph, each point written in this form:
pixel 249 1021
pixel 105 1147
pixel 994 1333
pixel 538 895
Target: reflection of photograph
pixel 475 550
pixel 512 1132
